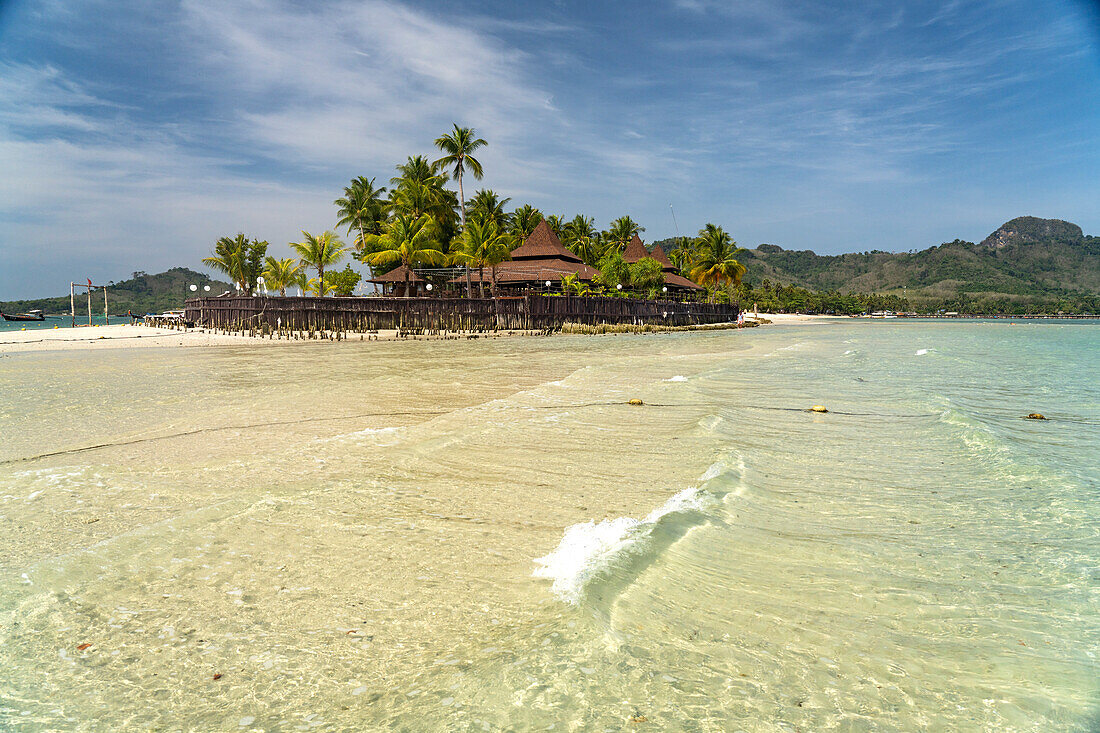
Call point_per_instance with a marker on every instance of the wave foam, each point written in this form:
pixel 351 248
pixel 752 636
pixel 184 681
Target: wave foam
pixel 921 352
pixel 588 550
pixel 677 378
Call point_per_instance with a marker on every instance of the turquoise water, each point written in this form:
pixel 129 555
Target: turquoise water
pixel 58 321
pixel 482 535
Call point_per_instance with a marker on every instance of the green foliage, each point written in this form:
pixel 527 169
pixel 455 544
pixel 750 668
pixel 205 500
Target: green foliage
pixel 614 271
pixel 143 293
pixel 457 147
pixel 362 209
pixel 320 251
pixel 342 283
pixel 713 261
pixel 280 274
pixel 646 276
pixel 483 244
pixel 240 258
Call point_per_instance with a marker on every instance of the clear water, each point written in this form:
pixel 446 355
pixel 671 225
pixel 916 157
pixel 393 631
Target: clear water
pixel 58 322
pixel 466 535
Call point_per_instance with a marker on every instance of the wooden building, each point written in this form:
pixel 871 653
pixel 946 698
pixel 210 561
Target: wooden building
pixel 674 281
pixel 540 259
pixel 401 282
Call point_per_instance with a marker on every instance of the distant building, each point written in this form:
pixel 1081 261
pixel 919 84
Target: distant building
pixel 674 281
pixel 401 282
pixel 540 259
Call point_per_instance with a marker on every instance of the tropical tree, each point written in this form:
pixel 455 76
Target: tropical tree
pixel 614 270
pixel 523 221
pixel 362 208
pixel 556 223
pixel 484 245
pixel 318 287
pixel 343 282
pixel 457 147
pixel 573 284
pixel 714 260
pixel 280 274
pixel 488 206
pixel 240 258
pixel 646 275
pixel 320 251
pixel 405 241
pixel 621 231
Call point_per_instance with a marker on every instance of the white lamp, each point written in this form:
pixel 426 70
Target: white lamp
pixel 428 286
pixel 194 288
pixel 664 289
pixel 547 283
pixel 206 288
pixel 619 286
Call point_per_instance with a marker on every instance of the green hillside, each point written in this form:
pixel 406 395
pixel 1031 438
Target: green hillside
pixel 1026 265
pixel 141 294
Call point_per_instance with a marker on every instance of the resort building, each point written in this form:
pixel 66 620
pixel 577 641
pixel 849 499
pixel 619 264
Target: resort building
pixel 401 282
pixel 674 281
pixel 540 259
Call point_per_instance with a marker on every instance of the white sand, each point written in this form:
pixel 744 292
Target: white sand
pixel 797 318
pixel 141 336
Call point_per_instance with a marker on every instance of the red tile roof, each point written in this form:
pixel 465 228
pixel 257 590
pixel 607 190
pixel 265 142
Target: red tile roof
pixel 659 255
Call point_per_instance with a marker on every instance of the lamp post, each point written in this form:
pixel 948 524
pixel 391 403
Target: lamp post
pixel 260 282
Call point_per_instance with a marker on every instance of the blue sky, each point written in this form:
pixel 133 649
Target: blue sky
pixel 132 135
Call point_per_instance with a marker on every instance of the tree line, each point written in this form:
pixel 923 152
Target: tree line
pixel 418 220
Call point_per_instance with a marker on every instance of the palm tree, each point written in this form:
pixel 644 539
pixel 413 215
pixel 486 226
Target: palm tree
pixel 457 146
pixel 556 223
pixel 621 231
pixel 523 222
pixel 240 258
pixel 320 251
pixel 362 208
pixel 484 245
pixel 314 285
pixel 581 236
pixel 488 206
pixel 278 274
pixel 715 258
pixel 406 241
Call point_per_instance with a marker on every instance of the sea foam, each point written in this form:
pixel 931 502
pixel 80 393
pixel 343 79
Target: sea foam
pixel 589 549
pixel 677 378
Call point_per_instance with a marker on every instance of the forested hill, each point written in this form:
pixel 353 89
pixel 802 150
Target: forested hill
pixel 1026 264
pixel 141 294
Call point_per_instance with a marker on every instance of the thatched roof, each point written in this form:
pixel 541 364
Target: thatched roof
pixel 533 272
pixel 672 280
pixel 397 275
pixel 659 255
pixel 543 244
pixel 635 250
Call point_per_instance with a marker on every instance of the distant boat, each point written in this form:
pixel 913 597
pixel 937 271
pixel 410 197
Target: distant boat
pixel 34 315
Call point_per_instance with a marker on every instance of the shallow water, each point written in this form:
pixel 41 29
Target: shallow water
pixel 481 535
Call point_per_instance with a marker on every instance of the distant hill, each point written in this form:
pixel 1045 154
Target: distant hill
pixel 1026 264
pixel 141 294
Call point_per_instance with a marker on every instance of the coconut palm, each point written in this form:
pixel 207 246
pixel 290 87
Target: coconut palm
pixel 621 231
pixel 556 224
pixel 488 206
pixel 314 285
pixel 523 221
pixel 484 245
pixel 406 241
pixel 320 251
pixel 458 146
pixel 280 274
pixel 362 208
pixel 240 258
pixel 715 258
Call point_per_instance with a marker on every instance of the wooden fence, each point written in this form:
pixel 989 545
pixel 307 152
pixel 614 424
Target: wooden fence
pixel 531 312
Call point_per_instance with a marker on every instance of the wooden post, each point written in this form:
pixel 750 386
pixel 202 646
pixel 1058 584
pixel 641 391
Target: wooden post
pixel 106 317
pixel 72 302
pixel 89 305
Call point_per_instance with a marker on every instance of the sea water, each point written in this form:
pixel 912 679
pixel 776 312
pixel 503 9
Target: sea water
pixel 483 535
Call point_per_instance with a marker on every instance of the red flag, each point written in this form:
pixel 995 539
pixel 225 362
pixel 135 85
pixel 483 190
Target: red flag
pixel 89 282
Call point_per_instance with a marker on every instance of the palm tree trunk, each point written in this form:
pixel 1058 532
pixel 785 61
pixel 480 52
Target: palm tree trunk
pixel 481 280
pixel 462 211
pixel 321 281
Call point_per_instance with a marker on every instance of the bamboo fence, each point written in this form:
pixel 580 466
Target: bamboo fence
pixel 263 314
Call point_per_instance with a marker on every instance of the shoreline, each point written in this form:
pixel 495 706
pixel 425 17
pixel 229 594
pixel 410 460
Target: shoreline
pixel 118 336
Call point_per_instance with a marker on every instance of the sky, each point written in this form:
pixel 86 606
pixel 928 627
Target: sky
pixel 134 134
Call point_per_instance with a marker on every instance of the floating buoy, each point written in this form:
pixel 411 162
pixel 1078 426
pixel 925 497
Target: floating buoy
pixel 1036 416
pixel 635 401
pixel 818 408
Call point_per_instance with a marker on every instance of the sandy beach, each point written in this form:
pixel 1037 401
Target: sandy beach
pixel 141 336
